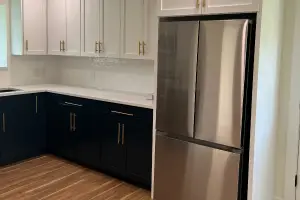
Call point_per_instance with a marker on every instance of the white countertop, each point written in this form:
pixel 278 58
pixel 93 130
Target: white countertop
pixel 138 100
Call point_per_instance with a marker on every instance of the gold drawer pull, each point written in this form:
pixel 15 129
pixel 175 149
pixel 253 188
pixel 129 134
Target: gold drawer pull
pixel 123 134
pixel 121 113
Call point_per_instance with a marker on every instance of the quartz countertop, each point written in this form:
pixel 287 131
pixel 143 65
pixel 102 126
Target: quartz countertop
pixel 131 99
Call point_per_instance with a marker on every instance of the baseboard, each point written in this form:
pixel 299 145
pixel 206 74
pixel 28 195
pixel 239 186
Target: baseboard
pixel 278 198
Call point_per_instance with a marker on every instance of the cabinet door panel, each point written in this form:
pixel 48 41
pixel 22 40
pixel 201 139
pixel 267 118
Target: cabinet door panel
pixel 111 28
pixel 35 32
pixel 59 125
pixel 88 138
pixel 138 137
pixel 113 152
pixel 91 30
pixel 230 6
pixel 179 7
pixel 72 45
pixel 56 26
pixel 132 28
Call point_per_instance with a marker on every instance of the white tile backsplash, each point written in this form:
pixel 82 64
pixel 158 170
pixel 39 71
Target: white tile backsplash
pixel 30 70
pixel 136 76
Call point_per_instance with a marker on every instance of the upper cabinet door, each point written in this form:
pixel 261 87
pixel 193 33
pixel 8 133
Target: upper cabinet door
pixel 35 30
pixel 56 26
pixel 229 6
pixel 91 27
pixel 180 7
pixel 72 43
pixel 110 23
pixel 134 28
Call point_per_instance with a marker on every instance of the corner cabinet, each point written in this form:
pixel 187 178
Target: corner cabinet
pixel 135 29
pixel 28 28
pixel 198 7
pixel 101 32
pixel 64 27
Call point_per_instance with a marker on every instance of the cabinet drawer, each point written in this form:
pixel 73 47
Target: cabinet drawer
pixel 130 112
pixel 79 103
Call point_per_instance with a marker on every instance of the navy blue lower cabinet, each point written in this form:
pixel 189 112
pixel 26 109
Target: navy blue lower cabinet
pixel 138 141
pixel 127 143
pixel 110 137
pixel 71 130
pixel 113 152
pixel 87 139
pixel 19 137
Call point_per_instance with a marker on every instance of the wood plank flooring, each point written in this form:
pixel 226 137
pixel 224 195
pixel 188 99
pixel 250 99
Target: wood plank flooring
pixel 50 178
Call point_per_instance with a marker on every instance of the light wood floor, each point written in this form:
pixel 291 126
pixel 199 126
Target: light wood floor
pixel 48 178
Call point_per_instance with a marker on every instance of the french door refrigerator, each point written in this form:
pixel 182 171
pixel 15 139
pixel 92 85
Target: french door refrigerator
pixel 205 70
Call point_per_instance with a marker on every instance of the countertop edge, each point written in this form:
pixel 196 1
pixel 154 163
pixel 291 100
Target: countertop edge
pixel 23 91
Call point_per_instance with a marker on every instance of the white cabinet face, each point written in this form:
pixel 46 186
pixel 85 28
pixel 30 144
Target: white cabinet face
pixel 133 25
pixel 56 26
pixel 179 7
pixel 72 46
pixel 230 6
pixel 34 24
pixel 110 28
pixel 91 27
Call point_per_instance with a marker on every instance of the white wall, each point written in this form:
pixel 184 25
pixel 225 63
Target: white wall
pixel 264 123
pixel 285 101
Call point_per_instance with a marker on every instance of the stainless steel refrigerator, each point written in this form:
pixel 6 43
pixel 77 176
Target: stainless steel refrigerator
pixel 204 94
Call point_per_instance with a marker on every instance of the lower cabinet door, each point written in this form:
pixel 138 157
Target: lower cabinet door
pixel 60 138
pixel 113 148
pixel 138 140
pixel 88 139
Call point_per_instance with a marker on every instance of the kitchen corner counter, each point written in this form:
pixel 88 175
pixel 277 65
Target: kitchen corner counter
pixel 138 100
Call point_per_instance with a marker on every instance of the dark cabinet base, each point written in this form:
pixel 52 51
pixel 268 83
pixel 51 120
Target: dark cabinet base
pixel 115 139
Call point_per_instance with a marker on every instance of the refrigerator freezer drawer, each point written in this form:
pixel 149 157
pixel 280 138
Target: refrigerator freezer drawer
pixel 186 171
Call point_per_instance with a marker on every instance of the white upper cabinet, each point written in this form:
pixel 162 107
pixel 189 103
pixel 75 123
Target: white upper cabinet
pixel 56 26
pixel 229 6
pixel 64 27
pixel 28 29
pixel 91 28
pixel 110 38
pixel 101 31
pixel 73 28
pixel 197 7
pixel 179 7
pixel 134 29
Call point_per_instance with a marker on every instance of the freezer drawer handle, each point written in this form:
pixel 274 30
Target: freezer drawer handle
pixel 121 113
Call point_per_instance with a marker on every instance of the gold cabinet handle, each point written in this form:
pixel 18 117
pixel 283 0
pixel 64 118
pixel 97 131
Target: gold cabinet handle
pixel 26 45
pixel 203 3
pixel 74 122
pixel 140 48
pixel 63 44
pixel 144 44
pixel 96 47
pixel 197 4
pixel 3 122
pixel 100 46
pixel 36 104
pixel 121 113
pixel 71 122
pixel 123 134
pixel 119 132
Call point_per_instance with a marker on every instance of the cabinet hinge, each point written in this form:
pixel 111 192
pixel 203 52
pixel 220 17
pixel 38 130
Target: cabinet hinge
pixel 296 180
